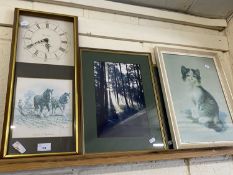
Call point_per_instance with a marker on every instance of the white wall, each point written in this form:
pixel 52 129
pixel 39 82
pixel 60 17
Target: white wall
pixel 116 31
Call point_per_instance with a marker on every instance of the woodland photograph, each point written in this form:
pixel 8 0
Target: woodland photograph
pixel 120 101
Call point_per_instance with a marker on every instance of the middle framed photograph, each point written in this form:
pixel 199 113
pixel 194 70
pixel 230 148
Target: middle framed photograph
pixel 120 106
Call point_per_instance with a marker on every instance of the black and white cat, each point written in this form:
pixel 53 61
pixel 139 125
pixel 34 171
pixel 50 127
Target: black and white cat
pixel 205 108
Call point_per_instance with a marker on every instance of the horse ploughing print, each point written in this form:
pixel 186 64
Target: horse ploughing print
pixel 43 108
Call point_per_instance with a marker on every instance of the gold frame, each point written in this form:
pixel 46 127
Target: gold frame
pixel 168 98
pixel 11 76
pixel 155 91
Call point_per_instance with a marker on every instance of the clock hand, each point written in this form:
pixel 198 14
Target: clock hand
pixel 38 42
pixel 47 45
pixel 46 40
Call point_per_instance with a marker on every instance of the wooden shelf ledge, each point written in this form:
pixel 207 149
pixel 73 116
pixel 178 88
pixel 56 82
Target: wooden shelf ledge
pixel 36 163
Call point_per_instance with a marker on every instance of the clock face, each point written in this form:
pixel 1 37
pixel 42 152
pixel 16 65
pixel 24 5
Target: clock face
pixel 45 41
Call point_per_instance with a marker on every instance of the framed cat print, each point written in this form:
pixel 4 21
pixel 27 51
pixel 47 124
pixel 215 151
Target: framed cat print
pixel 198 100
pixel 41 111
pixel 121 109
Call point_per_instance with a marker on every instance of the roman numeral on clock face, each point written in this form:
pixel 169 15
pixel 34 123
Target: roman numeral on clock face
pixel 27 38
pixel 29 46
pixel 37 25
pixel 36 53
pixel 62 49
pixel 55 28
pixel 62 34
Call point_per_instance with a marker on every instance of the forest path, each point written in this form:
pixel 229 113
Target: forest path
pixel 135 126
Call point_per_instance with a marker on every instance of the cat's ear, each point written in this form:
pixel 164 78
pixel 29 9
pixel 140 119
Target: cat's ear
pixel 198 75
pixel 197 72
pixel 183 70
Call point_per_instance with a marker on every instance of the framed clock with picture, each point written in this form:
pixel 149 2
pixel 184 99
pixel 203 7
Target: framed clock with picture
pixel 42 99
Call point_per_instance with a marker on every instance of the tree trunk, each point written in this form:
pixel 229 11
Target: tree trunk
pixel 137 83
pixel 102 99
pixel 123 85
pixel 130 93
pixel 115 77
pixel 142 100
pixel 106 92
